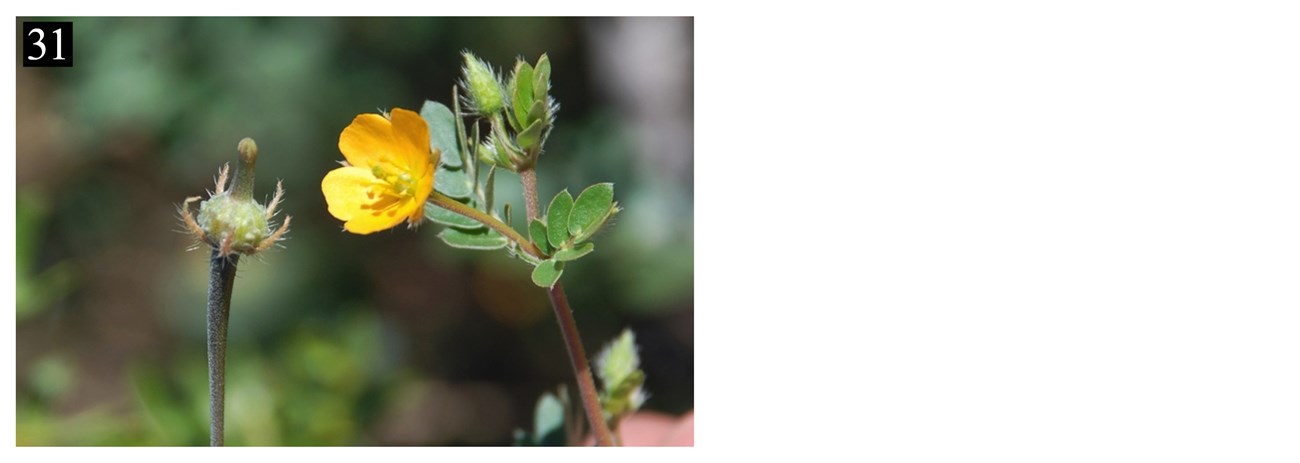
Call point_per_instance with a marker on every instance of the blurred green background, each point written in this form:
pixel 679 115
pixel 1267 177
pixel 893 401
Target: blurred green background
pixel 339 339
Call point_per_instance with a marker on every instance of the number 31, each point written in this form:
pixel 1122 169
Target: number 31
pixel 58 44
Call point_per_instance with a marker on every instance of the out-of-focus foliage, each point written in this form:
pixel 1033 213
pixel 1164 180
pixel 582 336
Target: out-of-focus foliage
pixel 618 367
pixel 391 338
pixel 555 422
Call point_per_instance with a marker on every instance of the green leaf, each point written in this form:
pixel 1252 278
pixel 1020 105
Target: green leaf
pixel 538 113
pixel 542 78
pixel 523 91
pixel 548 421
pixel 442 132
pixel 591 231
pixel 591 209
pixel 454 183
pixel 547 273
pixel 482 240
pixel 471 166
pixel 514 251
pixel 565 255
pixel 557 219
pixel 531 136
pixel 486 154
pixel 503 156
pixel 537 231
pixel 445 217
pixel 467 150
pixel 501 142
pixel 512 120
pixel 489 187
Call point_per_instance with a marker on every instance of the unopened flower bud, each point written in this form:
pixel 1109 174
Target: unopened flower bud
pixel 485 93
pixel 231 221
pixel 240 223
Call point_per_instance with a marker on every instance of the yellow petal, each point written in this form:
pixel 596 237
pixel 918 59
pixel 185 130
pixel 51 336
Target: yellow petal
pixel 373 222
pixel 411 135
pixel 349 191
pixel 368 140
pixel 410 211
pixel 422 189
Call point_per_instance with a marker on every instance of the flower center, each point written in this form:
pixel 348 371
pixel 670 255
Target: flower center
pixel 399 180
pixel 398 186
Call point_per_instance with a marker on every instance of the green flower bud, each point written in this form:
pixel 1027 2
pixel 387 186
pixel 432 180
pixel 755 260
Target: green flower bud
pixel 619 369
pixel 485 93
pixel 230 220
pixel 243 221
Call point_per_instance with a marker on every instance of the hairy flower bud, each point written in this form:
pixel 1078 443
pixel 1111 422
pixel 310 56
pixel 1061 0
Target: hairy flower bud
pixel 230 220
pixel 485 93
pixel 240 222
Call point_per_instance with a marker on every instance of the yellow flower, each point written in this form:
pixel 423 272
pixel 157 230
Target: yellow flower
pixel 388 174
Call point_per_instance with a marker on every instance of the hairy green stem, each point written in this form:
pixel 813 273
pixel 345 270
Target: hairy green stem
pixel 220 284
pixel 569 330
pixel 528 178
pixel 448 203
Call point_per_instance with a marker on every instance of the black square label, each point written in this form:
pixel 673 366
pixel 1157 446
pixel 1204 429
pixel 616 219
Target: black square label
pixel 47 44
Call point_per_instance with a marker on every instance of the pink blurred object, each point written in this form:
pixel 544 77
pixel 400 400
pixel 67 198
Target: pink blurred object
pixel 654 429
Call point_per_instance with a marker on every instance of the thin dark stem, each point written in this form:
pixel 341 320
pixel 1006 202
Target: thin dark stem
pixel 569 330
pixel 220 284
pixel 581 368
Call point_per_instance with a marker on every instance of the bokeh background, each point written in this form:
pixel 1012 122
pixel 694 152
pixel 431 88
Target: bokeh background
pixel 339 339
